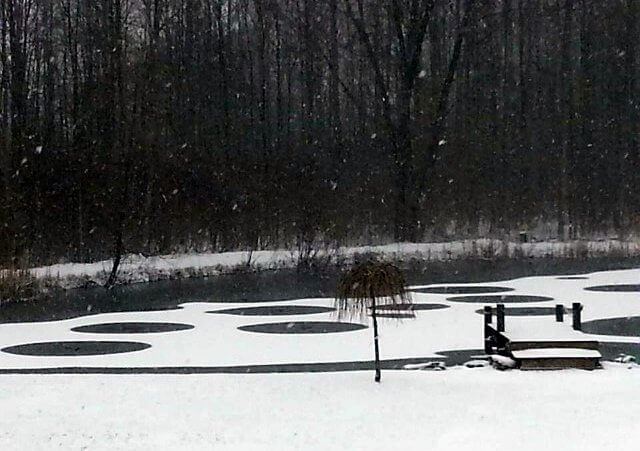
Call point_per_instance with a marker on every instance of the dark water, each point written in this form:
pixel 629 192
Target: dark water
pixel 321 367
pixel 462 290
pixel 461 356
pixel 610 351
pixel 528 311
pixel 396 315
pixel 616 288
pixel 623 327
pixel 503 299
pixel 275 310
pixel 412 307
pixel 281 285
pixel 76 348
pixel 131 328
pixel 302 327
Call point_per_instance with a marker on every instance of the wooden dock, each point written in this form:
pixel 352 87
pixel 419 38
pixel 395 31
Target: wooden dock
pixel 540 343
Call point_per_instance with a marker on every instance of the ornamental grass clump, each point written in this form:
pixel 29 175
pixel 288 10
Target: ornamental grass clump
pixel 367 286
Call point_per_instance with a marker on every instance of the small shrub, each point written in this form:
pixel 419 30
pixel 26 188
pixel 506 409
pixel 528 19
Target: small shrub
pixel 17 285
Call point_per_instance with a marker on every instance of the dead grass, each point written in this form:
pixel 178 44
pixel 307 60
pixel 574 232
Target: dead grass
pixel 17 285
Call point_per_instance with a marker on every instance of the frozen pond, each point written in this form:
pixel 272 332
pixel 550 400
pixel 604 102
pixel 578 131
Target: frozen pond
pixel 275 286
pixel 286 322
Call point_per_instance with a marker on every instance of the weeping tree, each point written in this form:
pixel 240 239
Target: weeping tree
pixel 367 287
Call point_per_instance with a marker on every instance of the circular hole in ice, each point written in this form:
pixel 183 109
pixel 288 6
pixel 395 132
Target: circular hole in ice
pixel 623 288
pixel 528 311
pixel 468 289
pixel 76 348
pixel 503 299
pixel 275 310
pixel 302 327
pixel 132 328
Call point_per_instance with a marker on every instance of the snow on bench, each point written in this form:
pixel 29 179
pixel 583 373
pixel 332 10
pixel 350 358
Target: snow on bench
pixel 557 353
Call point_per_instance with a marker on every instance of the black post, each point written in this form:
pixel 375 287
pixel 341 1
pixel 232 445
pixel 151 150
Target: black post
pixel 559 313
pixel 488 315
pixel 375 340
pixel 500 317
pixel 577 317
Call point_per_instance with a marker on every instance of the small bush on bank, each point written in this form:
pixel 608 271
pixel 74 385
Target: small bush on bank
pixel 17 285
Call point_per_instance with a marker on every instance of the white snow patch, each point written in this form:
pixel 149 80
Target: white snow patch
pixel 556 353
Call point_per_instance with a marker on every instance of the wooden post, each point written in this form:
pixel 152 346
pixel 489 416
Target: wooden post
pixel 577 317
pixel 500 317
pixel 559 313
pixel 488 315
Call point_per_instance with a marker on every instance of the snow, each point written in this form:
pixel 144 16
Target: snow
pixel 476 363
pixel 502 361
pixel 540 329
pixel 556 353
pixel 480 409
pixel 430 365
pixel 457 409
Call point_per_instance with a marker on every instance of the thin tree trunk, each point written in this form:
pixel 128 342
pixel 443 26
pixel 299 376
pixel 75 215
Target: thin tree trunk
pixel 375 339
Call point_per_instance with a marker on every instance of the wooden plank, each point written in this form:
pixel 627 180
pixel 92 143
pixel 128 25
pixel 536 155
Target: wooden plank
pixel 582 344
pixel 559 364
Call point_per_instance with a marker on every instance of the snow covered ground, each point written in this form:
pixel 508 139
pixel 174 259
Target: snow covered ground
pixel 479 409
pixel 456 409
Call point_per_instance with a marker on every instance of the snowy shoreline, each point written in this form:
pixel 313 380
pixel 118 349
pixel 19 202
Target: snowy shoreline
pixel 136 268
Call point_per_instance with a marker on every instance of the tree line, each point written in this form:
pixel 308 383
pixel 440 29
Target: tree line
pixel 154 126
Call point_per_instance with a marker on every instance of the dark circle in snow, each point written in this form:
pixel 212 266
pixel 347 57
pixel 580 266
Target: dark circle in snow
pixel 395 315
pixel 572 278
pixel 462 290
pixel 626 326
pixel 76 348
pixel 413 307
pixel 278 310
pixel 131 328
pixel 528 311
pixel 459 357
pixel 615 288
pixel 302 327
pixel 503 299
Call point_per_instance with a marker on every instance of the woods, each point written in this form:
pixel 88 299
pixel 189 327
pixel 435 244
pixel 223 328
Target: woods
pixel 156 126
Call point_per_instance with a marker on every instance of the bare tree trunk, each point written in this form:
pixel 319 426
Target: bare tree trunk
pixel 566 108
pixel 376 347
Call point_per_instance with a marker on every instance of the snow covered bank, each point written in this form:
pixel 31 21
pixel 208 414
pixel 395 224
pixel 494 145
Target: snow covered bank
pixel 138 268
pixel 465 409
